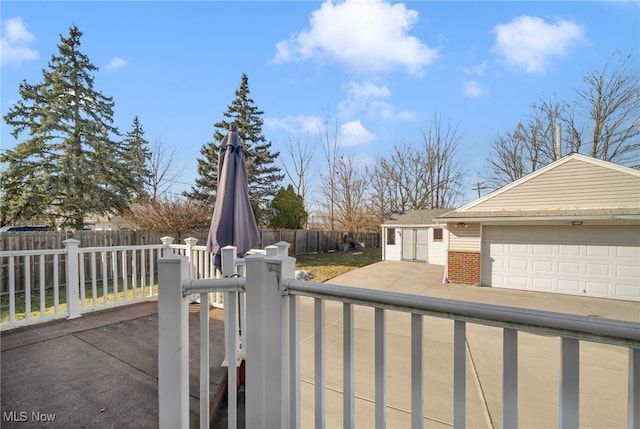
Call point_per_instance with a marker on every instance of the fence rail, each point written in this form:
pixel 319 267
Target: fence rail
pixel 42 242
pixel 273 352
pixel 43 284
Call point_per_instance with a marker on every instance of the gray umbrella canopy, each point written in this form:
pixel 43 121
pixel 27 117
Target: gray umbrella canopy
pixel 233 222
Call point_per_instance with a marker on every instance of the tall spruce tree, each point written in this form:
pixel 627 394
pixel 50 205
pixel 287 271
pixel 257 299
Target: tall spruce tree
pixel 69 165
pixel 264 174
pixel 138 156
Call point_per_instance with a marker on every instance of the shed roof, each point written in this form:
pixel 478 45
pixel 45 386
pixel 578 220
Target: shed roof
pixel 415 218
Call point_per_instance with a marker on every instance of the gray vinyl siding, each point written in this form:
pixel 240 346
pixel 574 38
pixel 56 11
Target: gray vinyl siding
pixel 464 238
pixel 591 186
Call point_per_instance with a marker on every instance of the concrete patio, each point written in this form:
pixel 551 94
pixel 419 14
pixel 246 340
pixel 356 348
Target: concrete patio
pixel 603 368
pixel 100 370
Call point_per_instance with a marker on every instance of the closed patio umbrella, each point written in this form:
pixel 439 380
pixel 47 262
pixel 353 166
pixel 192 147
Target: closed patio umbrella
pixel 233 222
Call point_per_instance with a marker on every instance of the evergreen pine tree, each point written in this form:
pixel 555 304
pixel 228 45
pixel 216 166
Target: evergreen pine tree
pixel 288 209
pixel 69 165
pixel 138 156
pixel 207 181
pixel 264 174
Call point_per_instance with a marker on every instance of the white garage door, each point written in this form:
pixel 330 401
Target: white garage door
pixel 599 261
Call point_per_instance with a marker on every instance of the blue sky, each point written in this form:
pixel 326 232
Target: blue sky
pixel 380 70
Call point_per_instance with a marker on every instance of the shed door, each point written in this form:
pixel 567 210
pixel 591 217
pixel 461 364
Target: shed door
pixel 414 244
pixel 598 261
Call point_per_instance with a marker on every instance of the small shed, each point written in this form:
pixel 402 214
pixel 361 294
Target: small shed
pixel 415 235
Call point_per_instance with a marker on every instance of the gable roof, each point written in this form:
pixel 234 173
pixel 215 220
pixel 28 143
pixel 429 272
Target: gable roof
pixel 415 218
pixel 575 185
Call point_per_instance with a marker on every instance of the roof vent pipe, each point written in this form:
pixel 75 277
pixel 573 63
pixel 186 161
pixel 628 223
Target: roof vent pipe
pixel 558 142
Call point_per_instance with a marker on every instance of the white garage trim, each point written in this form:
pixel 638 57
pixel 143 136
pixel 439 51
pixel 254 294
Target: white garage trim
pixel 598 261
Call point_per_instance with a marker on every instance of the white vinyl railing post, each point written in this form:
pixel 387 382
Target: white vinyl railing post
pixel 267 363
pixel 231 335
pixel 73 278
pixel 633 406
pixel 166 242
pixel 255 387
pixel 569 383
pixel 283 248
pixel 189 253
pixel 173 343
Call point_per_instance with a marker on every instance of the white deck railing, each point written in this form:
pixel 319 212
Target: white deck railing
pixel 99 277
pixel 273 346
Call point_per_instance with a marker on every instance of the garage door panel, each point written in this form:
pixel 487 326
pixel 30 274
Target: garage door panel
pixel 518 264
pixel 600 261
pixel 598 251
pixel 598 269
pixel 627 291
pixel 569 267
pixel 628 271
pixel 543 266
pixel 628 252
pixel 543 249
pixel 540 283
pixel 522 249
pixel 597 288
pixel 568 250
pixel 568 286
pixel 519 282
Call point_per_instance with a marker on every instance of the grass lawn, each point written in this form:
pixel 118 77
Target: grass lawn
pixel 325 266
pixel 62 299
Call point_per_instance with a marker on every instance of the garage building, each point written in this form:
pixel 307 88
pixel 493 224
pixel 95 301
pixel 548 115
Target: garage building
pixel 572 227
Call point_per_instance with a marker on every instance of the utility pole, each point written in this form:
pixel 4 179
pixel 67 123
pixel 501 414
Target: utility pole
pixel 479 186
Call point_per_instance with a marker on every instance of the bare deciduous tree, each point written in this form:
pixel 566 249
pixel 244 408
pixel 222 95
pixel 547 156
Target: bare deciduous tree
pixel 532 145
pixel 351 185
pixel 170 215
pixel 611 104
pixel 163 174
pixel 444 179
pixel 506 160
pixel 301 155
pixel 415 178
pixel 605 121
pixel 330 148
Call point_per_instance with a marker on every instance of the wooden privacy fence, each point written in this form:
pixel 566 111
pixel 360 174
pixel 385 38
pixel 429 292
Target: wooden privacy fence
pixel 303 242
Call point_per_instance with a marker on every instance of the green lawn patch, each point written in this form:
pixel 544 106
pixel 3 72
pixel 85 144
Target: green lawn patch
pixel 325 266
pixel 49 299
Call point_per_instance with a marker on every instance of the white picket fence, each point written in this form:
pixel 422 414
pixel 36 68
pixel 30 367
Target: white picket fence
pixel 65 283
pixel 272 349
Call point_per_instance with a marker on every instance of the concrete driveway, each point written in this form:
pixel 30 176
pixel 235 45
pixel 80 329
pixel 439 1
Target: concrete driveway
pixel 603 368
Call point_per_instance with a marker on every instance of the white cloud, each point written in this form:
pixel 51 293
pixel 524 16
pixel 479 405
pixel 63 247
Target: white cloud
pixel 354 134
pixel 477 70
pixel 383 110
pixel 364 97
pixel 296 125
pixel 116 63
pixel 472 88
pixel 15 42
pixel 531 43
pixel 368 36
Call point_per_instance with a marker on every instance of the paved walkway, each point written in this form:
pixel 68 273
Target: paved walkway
pixel 603 368
pixel 100 371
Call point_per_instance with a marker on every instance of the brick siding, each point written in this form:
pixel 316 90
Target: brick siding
pixel 464 267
